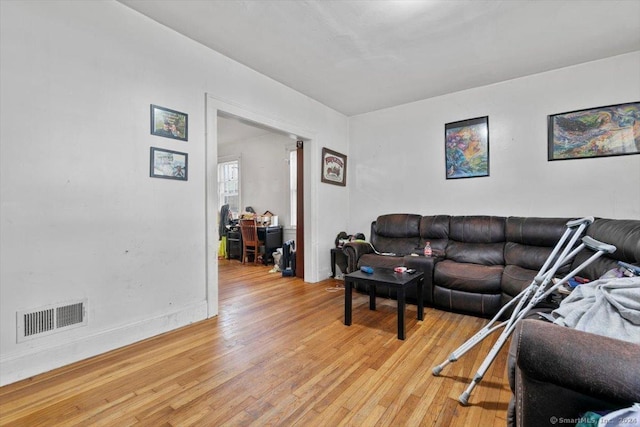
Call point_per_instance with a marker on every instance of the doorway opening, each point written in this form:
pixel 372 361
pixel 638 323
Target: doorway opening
pixel 255 171
pixel 223 119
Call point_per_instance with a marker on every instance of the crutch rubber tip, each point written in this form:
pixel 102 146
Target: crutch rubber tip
pixel 464 398
pixel 436 371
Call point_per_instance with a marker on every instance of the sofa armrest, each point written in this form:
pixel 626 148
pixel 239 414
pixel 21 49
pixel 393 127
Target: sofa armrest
pixel 353 251
pixel 562 373
pixel 425 265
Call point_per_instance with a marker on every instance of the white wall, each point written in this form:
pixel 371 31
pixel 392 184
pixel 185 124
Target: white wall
pixel 264 173
pixel 397 154
pixel 80 216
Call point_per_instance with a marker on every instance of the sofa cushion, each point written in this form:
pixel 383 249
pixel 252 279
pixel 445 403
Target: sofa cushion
pixel 477 229
pixel 476 239
pixel 525 256
pixel 530 242
pixel 435 229
pixel 595 269
pixel 623 234
pixel 396 233
pixel 398 225
pixel 481 279
pixel 478 304
pixel 476 253
pixel 515 279
pixel 535 231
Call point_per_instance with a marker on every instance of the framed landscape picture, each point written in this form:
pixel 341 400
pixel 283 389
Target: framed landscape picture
pixel 334 167
pixel 467 148
pixel 169 164
pixel 169 123
pixel 613 130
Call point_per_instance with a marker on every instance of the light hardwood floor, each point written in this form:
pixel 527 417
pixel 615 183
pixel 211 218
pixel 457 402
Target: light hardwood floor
pixel 278 354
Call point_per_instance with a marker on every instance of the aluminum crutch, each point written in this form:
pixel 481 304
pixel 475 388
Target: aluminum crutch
pixel 573 231
pixel 540 290
pixel 541 293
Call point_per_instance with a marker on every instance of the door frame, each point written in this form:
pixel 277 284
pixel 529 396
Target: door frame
pixel 299 270
pixel 213 107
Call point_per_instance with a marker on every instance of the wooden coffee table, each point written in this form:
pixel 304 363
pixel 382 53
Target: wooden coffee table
pixel 386 277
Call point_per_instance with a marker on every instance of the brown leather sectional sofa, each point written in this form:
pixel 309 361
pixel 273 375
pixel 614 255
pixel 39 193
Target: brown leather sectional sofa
pixel 479 264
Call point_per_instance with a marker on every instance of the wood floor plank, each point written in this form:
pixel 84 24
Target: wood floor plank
pixel 277 354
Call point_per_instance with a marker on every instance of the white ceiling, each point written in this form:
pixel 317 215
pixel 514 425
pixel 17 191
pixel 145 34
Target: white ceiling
pixel 233 130
pixel 361 56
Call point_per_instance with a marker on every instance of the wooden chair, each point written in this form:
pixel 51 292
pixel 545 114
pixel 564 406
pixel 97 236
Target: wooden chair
pixel 250 242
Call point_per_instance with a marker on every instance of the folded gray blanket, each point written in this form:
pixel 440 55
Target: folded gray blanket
pixel 609 307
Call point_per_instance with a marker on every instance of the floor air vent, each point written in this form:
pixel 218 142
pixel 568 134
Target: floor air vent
pixel 51 319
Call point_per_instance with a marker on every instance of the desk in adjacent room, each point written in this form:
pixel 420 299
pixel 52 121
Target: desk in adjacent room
pixel 271 236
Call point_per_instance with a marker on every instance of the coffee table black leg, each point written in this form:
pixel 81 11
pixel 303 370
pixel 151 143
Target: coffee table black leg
pixel 420 301
pixel 372 297
pixel 401 305
pixel 347 302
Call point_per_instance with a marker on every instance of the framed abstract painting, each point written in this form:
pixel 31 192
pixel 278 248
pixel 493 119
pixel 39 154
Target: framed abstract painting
pixel 613 130
pixel 467 148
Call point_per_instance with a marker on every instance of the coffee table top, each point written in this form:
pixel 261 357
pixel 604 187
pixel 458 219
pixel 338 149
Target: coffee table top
pixel 385 275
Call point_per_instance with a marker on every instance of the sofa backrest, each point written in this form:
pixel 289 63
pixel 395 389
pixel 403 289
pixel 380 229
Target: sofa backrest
pixel 624 234
pixel 397 233
pixel 531 240
pixel 435 230
pixel 476 239
pixel 525 242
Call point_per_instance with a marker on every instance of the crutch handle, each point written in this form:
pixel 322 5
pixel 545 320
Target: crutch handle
pixel 596 245
pixel 588 220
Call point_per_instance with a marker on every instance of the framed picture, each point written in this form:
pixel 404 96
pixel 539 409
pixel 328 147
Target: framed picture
pixel 169 164
pixel 334 167
pixel 467 148
pixel 613 130
pixel 169 123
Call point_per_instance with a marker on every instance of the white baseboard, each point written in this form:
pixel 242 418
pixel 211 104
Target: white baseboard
pixel 18 366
